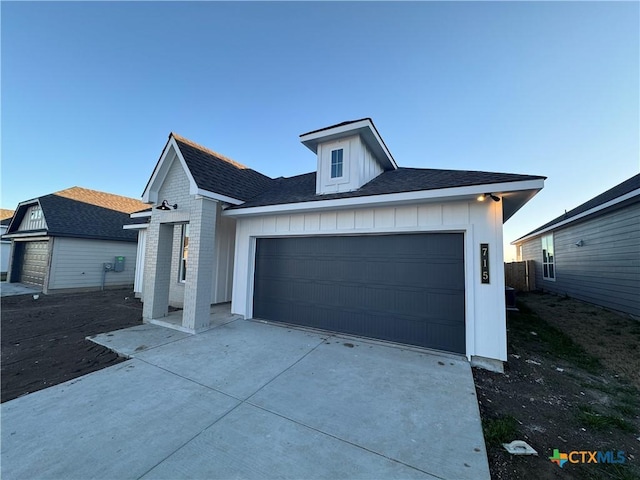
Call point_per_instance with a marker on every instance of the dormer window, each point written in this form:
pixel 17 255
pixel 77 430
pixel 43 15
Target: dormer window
pixel 36 213
pixel 336 163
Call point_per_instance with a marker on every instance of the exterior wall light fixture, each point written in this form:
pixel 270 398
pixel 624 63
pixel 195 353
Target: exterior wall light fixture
pixel 493 197
pixel 165 206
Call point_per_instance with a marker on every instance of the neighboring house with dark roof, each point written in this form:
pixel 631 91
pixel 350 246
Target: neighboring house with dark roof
pixel 61 241
pixel 5 245
pixel 592 252
pixel 359 246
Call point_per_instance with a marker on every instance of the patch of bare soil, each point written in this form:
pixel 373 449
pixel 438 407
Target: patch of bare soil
pixel 43 341
pixel 571 384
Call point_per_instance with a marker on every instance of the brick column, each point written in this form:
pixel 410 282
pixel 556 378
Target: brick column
pixel 157 269
pixel 199 279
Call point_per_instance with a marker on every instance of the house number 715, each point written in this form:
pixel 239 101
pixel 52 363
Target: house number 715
pixel 484 263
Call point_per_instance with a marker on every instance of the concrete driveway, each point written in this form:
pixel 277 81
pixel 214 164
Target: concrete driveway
pixel 9 289
pixel 251 400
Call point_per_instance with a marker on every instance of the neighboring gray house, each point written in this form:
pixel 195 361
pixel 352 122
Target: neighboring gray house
pixel 359 246
pixel 61 241
pixel 592 252
pixel 5 245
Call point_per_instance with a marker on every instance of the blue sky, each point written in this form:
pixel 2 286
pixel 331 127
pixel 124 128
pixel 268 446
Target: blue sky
pixel 90 91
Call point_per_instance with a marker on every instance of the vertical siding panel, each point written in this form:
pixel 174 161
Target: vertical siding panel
pixel 312 222
pixel 36 224
pixel 407 216
pixel 297 223
pixel 346 220
pixel 384 218
pixel 455 214
pixel 605 270
pixel 328 221
pixel 282 223
pixel 429 215
pixel 364 218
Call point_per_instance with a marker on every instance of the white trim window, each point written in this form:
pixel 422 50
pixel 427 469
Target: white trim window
pixel 184 249
pixel 337 163
pixel 36 213
pixel 548 258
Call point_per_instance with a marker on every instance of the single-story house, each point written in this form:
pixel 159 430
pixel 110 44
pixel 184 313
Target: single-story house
pixel 5 245
pixel 73 239
pixel 359 246
pixel 592 252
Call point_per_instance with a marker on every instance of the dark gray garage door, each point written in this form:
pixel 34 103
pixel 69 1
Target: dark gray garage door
pixel 35 258
pixel 403 288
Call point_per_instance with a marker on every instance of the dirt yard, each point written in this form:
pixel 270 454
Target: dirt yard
pixel 43 341
pixel 572 383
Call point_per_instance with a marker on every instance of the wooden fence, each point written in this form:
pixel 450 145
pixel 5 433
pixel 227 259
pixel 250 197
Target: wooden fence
pixel 520 275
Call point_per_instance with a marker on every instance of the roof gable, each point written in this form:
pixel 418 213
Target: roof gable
pixel 626 188
pixel 364 128
pixel 209 173
pixel 81 212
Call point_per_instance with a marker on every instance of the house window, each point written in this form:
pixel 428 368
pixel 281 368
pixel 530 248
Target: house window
pixel 336 163
pixel 184 252
pixel 36 214
pixel 548 258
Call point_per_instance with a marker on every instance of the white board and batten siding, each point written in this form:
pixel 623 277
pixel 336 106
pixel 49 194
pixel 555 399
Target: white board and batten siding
pixel 359 166
pixel 605 270
pixel 77 263
pixel 485 314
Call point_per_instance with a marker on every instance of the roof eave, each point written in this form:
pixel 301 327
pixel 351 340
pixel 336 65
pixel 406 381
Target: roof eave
pixel 587 213
pixel 508 191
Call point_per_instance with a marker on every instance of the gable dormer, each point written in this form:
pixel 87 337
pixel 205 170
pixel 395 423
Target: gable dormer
pixel 349 154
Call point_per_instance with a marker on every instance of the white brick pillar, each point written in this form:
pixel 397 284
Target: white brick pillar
pixel 200 263
pixel 157 270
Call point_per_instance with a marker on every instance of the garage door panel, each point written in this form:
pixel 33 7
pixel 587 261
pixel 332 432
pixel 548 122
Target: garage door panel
pixel 34 262
pixel 403 288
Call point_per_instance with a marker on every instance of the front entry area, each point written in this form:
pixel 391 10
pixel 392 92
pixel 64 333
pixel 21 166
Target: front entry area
pixel 407 288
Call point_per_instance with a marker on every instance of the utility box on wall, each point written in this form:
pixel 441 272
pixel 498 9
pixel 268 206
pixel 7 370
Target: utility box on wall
pixel 118 264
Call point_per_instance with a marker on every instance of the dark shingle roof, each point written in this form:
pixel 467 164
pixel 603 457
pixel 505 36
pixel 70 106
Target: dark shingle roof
pixel 623 188
pixel 302 188
pixel 84 213
pixel 217 173
pixel 72 218
pixel 103 199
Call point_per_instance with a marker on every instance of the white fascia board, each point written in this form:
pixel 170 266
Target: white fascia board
pixel 150 194
pixel 443 194
pixel 217 196
pixel 18 235
pixel 136 226
pixel 24 204
pixel 591 211
pixel 146 213
pixel 308 139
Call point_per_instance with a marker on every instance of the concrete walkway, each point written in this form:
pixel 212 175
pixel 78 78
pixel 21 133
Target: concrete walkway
pixel 248 399
pixel 8 289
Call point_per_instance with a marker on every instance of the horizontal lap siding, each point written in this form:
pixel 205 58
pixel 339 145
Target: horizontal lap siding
pixel 77 263
pixel 606 269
